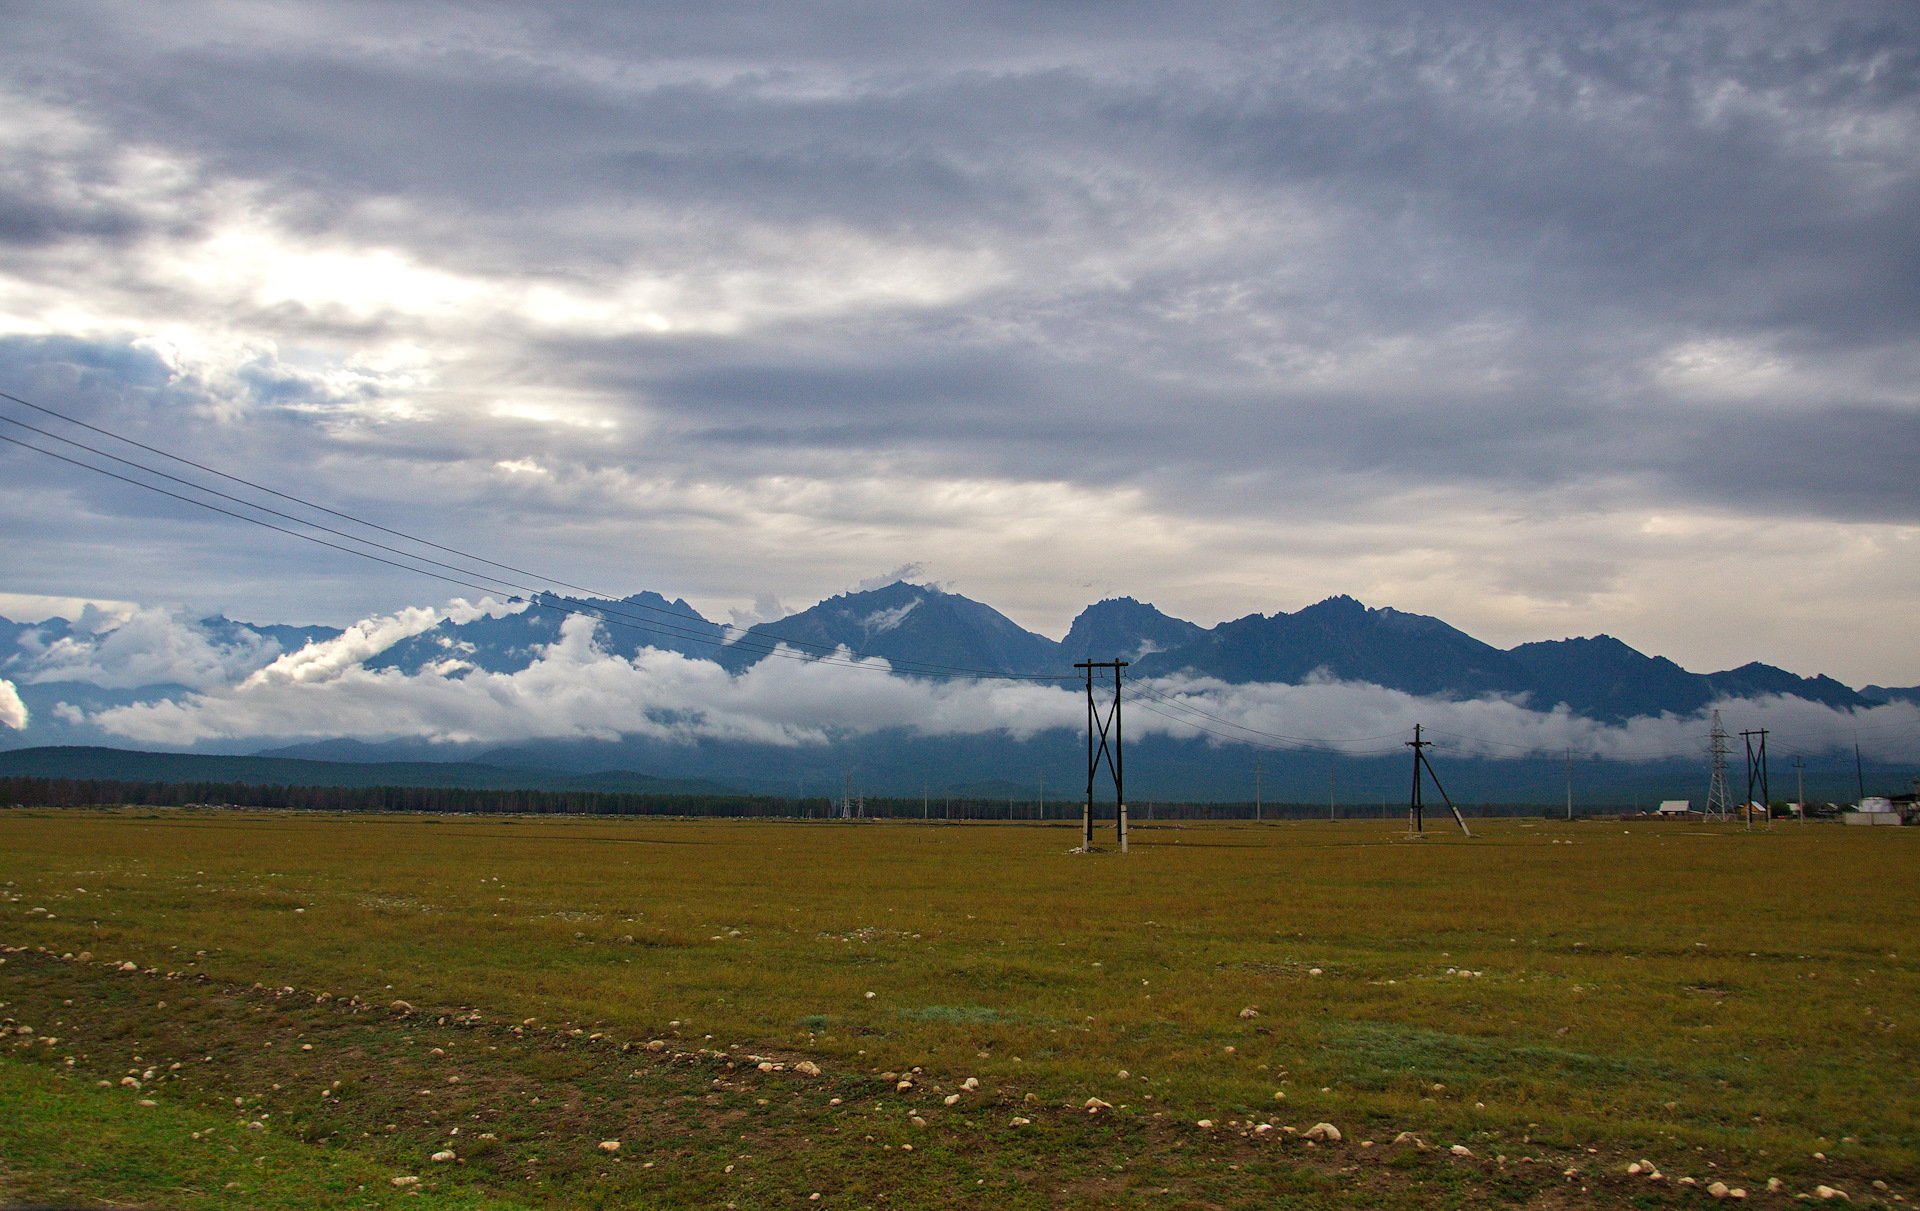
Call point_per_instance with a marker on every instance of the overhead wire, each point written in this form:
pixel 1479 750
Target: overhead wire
pixel 603 607
pixel 1332 745
pixel 726 636
pixel 544 601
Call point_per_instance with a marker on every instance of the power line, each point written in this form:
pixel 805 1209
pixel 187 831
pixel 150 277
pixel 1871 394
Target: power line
pixel 763 642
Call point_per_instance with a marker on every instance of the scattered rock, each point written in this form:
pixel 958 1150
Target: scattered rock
pixel 917 1121
pixel 1828 1192
pixel 1020 1122
pixel 1775 1185
pixel 1205 1122
pixel 1324 1132
pixel 147 1101
pixel 1405 1137
pixel 902 1086
pixel 951 1099
pixel 766 1065
pixel 970 1084
pixel 1313 971
pixel 1279 1095
pixel 401 1007
pixel 609 1145
pixel 1736 1192
pixel 1717 1189
pixel 872 995
pixel 807 1068
pixel 1463 1150
pixel 1096 1105
pixel 1250 1012
pixel 406 1181
pixel 441 1157
pixel 656 1045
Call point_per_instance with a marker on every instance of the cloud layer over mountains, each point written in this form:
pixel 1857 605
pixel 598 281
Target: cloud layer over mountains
pixel 469 674
pixel 1551 318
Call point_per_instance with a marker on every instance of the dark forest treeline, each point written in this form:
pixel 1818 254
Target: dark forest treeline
pixel 86 792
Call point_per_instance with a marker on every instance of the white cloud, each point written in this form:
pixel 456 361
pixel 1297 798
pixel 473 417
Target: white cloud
pixel 321 662
pixel 881 621
pixel 1361 719
pixel 766 608
pixel 576 690
pixel 13 712
pixel 151 646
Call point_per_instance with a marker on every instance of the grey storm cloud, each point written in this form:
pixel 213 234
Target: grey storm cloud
pixel 601 279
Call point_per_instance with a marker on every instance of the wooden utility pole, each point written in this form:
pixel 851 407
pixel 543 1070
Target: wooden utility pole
pixel 1415 806
pixel 1106 728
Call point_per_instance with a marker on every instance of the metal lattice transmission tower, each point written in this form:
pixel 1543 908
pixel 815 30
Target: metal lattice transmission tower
pixel 1718 808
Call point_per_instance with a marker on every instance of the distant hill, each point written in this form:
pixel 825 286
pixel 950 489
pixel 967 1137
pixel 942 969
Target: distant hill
pixel 510 643
pixel 124 765
pixel 1885 694
pixel 1121 628
pixel 1601 677
pixel 918 625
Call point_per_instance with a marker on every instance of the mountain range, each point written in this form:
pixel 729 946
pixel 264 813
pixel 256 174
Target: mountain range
pixel 924 630
pixel 65 672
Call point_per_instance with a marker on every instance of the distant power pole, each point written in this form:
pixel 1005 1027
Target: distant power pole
pixel 1256 788
pixel 1569 782
pixel 1860 774
pixel 1757 772
pixel 1415 806
pixel 1800 773
pixel 926 800
pixel 1041 812
pixel 1332 796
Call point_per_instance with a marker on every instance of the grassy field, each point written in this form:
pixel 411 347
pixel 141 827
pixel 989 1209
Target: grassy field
pixel 1559 999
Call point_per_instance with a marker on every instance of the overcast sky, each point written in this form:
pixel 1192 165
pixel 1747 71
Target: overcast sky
pixel 1545 319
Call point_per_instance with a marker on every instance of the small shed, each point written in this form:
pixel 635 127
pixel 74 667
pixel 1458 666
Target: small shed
pixel 1676 807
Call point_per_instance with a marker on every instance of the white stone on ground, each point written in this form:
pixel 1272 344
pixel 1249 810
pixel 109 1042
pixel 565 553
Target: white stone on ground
pixel 1324 1132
